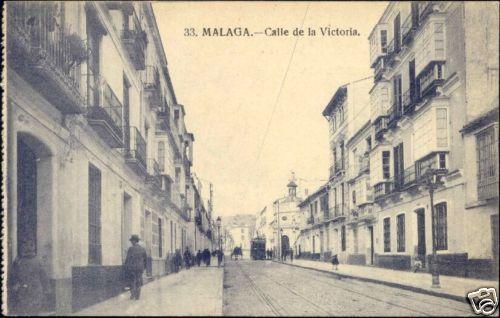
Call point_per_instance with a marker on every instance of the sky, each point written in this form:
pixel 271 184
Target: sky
pixel 254 103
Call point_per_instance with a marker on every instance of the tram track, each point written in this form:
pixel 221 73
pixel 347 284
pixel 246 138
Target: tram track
pixel 325 280
pixel 266 300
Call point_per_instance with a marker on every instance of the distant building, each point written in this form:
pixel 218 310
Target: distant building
pixel 241 229
pixel 286 219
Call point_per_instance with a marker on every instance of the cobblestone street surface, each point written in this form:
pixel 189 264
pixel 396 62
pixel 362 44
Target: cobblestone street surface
pixel 174 295
pixel 264 288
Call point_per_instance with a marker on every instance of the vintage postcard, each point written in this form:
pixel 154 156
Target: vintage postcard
pixel 270 158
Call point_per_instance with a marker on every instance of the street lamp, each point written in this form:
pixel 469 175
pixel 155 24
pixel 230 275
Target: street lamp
pixel 432 180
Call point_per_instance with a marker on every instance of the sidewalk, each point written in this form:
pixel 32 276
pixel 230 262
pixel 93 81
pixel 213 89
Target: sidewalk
pixel 193 292
pixel 451 287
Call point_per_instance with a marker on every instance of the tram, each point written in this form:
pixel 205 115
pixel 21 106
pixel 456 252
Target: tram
pixel 258 248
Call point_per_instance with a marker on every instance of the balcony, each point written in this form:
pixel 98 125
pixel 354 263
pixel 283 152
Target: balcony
pixel 381 126
pixel 104 113
pixel 393 49
pixel 151 82
pixel 409 176
pixel 379 68
pixel 394 114
pixel 362 213
pixel 410 99
pixel 431 78
pixel 45 54
pixel 339 211
pixel 378 47
pixel 163 118
pixel 135 154
pixel 339 166
pixel 425 8
pixel 154 173
pixel 408 29
pixel 332 172
pixel 382 189
pixel 435 161
pixel 135 40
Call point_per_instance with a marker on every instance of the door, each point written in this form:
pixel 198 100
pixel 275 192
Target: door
pixel 412 80
pixel 421 248
pixel 370 232
pixel 397 33
pixel 26 198
pixel 126 223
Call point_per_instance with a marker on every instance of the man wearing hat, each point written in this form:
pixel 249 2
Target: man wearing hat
pixel 135 263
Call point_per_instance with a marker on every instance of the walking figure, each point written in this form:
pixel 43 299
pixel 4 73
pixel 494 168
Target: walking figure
pixel 135 263
pixel 220 256
pixel 335 262
pixel 198 258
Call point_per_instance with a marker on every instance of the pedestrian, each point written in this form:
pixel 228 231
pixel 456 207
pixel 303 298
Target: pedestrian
pixel 178 260
pixel 187 259
pixel 28 281
pixel 198 258
pixel 291 255
pixel 135 263
pixel 220 256
pixel 335 262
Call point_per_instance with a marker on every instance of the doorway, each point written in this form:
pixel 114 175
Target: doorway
pixel 421 248
pixel 372 247
pixel 126 223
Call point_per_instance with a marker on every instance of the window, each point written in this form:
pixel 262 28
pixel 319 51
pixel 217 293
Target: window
pixel 284 218
pixel 397 33
pixel 387 234
pixel 176 115
pixel 342 238
pixel 397 94
pixel 441 226
pixel 441 127
pixel 316 207
pixel 161 155
pixel 386 164
pixel 401 232
pixel 369 144
pixel 487 158
pixel 383 40
pixel 95 254
pixel 354 197
pixel 177 174
pixel 398 166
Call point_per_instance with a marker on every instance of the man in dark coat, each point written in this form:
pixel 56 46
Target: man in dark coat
pixel 198 258
pixel 135 263
pixel 206 256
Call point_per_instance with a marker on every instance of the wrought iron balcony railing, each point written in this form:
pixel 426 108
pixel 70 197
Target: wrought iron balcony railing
pixel 409 177
pixel 431 78
pixel 105 111
pixel 382 189
pixel 151 82
pixel 436 161
pixel 381 125
pixel 408 29
pixel 380 68
pixel 395 113
pixel 136 148
pixel 425 8
pixel 45 53
pixel 154 172
pixel 135 41
pixel 410 99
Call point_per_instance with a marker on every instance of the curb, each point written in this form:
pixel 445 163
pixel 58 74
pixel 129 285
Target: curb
pixel 382 282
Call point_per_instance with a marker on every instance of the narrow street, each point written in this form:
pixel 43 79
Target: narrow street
pixel 265 288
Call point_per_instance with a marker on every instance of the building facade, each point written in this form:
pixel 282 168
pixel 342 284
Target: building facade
pixel 287 219
pixel 431 121
pixel 97 146
pixel 436 78
pixel 240 230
